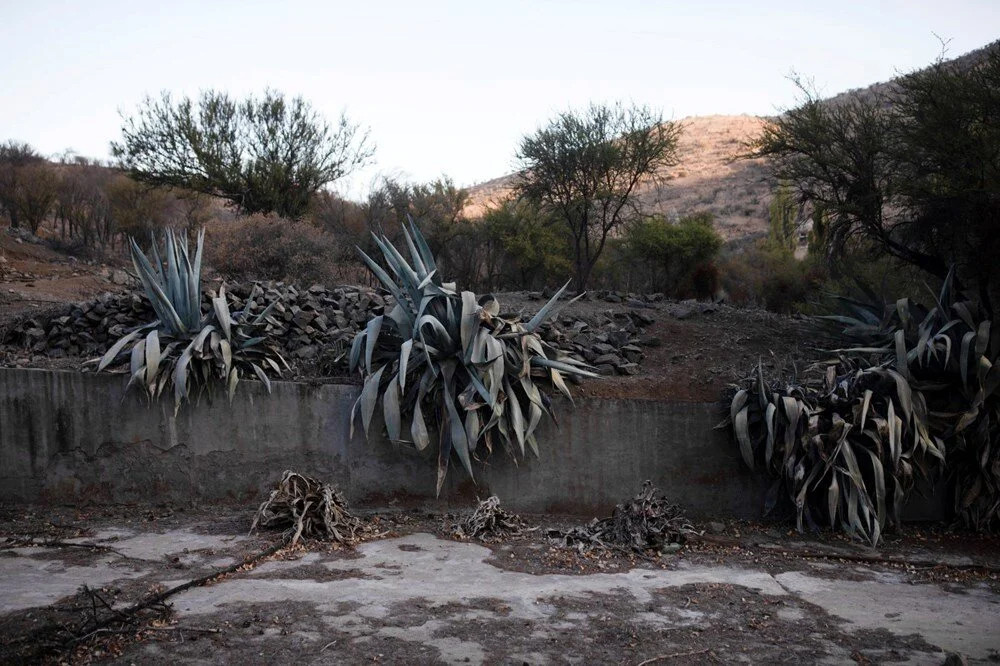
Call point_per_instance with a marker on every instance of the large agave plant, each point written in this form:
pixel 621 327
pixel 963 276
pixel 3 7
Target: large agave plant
pixel 184 348
pixel 916 394
pixel 448 362
pixel 844 448
pixel 949 353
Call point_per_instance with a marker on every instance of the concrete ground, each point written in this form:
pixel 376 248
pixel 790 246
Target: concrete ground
pixel 417 596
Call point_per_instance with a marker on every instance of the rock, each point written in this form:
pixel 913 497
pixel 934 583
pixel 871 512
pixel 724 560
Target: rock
pixel 628 369
pixel 307 352
pixel 715 527
pixel 632 353
pixel 303 318
pixel 118 276
pixel 650 341
pixel 605 369
pixel 611 359
pixel 604 348
pixel 618 338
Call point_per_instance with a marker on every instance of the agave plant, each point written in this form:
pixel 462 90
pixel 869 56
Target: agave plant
pixel 184 348
pixel 949 352
pixel 845 448
pixel 446 361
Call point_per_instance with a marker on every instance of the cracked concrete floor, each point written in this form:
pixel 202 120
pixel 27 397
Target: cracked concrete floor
pixel 420 598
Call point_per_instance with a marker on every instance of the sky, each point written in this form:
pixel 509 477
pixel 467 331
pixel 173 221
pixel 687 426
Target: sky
pixel 449 88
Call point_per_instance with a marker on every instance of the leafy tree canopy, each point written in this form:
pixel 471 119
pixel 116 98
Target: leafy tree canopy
pixel 263 154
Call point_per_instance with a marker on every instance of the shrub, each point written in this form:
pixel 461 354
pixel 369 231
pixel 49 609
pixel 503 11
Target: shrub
pixel 675 258
pixel 771 277
pixel 451 356
pixel 184 348
pixel 271 248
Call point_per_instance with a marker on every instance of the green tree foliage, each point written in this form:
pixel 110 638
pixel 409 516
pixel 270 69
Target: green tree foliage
pixel 584 169
pixel 527 249
pixel 913 172
pixel 263 154
pixel 669 256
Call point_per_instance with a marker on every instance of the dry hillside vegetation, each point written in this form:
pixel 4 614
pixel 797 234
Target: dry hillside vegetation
pixel 708 178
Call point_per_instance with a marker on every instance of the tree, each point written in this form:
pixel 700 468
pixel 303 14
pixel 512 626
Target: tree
pixel 35 194
pixel 913 171
pixel 14 156
pixel 263 155
pixel 585 167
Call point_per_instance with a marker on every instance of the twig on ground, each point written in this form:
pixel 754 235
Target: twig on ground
pixel 675 655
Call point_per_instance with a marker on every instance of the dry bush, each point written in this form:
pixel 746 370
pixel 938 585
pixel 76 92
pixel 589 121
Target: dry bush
pixel 262 247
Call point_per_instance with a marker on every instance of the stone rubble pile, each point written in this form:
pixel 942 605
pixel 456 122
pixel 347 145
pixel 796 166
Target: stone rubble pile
pixel 314 327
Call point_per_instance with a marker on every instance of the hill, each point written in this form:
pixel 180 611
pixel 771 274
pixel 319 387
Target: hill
pixel 708 177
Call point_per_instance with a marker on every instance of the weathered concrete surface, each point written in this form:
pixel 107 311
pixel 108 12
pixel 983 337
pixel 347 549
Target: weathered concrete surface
pixel 422 599
pixel 68 436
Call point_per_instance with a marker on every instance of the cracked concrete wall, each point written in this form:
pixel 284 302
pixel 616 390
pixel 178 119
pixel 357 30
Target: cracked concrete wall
pixel 68 437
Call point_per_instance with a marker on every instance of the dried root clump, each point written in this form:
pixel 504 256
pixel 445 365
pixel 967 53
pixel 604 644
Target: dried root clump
pixel 647 522
pixel 490 522
pixel 308 508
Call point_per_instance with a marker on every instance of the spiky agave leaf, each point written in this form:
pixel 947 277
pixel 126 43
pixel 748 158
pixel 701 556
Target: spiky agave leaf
pixel 444 360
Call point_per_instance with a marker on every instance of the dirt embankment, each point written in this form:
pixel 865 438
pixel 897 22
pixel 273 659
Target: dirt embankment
pixel 679 351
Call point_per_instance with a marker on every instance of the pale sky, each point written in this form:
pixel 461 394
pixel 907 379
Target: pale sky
pixel 448 88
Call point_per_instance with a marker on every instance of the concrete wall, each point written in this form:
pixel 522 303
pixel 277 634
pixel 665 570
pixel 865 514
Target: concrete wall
pixel 70 437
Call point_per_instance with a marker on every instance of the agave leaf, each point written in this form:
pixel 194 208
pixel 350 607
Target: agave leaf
pixel 472 428
pixel 371 335
pixel 137 365
pixel 418 262
pixel 833 498
pixel 864 408
pixel 964 358
pixel 743 436
pixel 222 313
pixel 234 378
pixel 457 435
pixel 547 309
pixel 562 366
pixel 369 396
pixel 262 376
pixel 153 357
pixel 769 419
pixel 739 400
pixel 382 276
pixel 161 303
pixel 425 252
pixel 355 356
pixel 469 323
pixel 390 409
pixel 112 354
pixel 404 360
